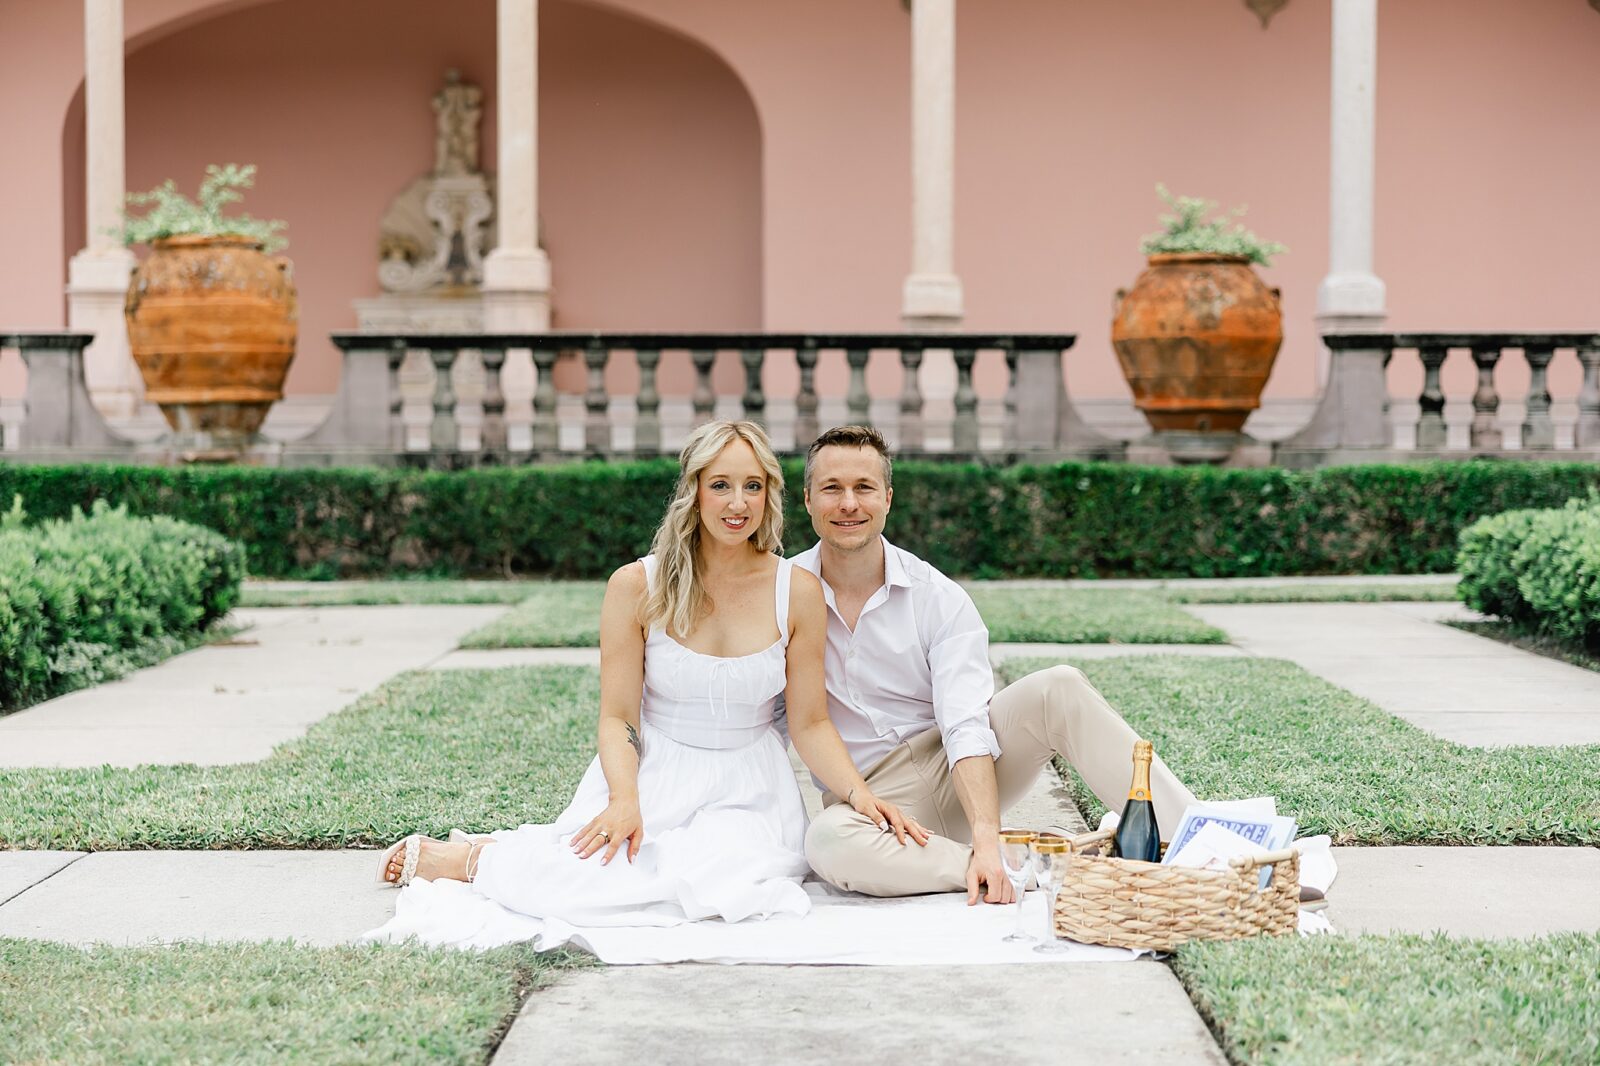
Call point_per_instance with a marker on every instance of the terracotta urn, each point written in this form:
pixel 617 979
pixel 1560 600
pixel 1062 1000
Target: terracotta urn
pixel 1196 336
pixel 212 323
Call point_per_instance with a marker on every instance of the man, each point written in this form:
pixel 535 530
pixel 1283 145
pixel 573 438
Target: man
pixel 911 692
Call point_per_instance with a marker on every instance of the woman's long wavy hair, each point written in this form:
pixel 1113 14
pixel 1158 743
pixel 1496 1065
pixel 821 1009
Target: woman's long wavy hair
pixel 677 599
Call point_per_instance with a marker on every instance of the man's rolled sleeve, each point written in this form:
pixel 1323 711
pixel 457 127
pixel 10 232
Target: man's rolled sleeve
pixel 963 684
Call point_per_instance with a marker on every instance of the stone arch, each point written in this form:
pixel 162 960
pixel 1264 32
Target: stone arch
pixel 650 155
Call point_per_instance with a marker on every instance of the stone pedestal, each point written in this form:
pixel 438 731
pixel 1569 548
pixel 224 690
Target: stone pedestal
pixel 97 289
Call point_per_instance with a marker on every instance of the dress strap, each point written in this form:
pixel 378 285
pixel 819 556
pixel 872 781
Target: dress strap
pixel 649 562
pixel 785 576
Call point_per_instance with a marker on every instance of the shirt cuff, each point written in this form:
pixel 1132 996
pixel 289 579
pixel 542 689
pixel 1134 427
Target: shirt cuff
pixel 965 741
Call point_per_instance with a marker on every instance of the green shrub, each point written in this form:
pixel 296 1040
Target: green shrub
pixel 1538 569
pixel 85 597
pixel 1057 520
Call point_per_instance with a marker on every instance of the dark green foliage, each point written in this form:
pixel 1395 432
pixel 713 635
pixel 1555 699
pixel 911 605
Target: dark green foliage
pixel 1061 520
pixel 83 598
pixel 1538 570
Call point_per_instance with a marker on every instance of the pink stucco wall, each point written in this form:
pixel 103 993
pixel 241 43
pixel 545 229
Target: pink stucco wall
pixel 728 163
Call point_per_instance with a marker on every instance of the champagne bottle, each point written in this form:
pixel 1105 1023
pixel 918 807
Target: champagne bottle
pixel 1138 836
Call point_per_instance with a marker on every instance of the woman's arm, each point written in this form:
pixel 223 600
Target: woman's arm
pixel 810 728
pixel 621 688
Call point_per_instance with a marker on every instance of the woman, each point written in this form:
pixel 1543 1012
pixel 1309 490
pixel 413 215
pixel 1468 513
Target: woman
pixel 692 789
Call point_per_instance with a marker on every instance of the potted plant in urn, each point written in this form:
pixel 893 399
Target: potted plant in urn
pixel 212 314
pixel 1198 332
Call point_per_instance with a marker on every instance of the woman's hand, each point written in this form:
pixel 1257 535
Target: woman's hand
pixel 887 816
pixel 619 824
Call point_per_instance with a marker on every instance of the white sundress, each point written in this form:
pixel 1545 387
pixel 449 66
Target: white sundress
pixel 724 824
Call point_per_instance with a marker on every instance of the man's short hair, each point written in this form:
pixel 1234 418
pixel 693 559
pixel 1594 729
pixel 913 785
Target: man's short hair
pixel 850 437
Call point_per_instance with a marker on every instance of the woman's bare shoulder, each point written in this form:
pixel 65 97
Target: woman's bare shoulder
pixel 805 590
pixel 629 579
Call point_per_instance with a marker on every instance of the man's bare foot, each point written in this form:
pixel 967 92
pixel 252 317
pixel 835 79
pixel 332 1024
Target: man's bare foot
pixel 436 860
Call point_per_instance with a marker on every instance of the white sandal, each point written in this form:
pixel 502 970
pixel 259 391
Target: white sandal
pixel 412 846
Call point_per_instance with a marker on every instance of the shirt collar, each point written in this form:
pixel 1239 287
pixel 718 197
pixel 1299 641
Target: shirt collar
pixel 894 567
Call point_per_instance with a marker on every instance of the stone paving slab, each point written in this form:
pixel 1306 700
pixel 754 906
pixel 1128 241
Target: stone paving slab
pixel 1457 685
pixel 235 702
pixel 737 1015
pixel 330 897
pixel 139 897
pixel 21 870
pixel 1474 892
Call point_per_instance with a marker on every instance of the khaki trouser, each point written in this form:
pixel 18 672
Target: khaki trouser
pixel 1049 712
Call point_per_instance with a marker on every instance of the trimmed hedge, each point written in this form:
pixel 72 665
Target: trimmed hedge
pixel 1539 570
pixel 1064 520
pixel 88 597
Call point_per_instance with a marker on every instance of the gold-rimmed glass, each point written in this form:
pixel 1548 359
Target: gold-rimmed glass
pixel 1051 856
pixel 1016 847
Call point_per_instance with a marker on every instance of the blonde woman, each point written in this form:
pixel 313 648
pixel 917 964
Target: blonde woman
pixel 691 809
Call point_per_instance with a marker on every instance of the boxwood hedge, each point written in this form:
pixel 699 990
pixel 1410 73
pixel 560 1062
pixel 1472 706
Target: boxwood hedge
pixel 1538 569
pixel 88 597
pixel 1060 520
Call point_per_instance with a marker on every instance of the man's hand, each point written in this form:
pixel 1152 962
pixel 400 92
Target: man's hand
pixel 986 869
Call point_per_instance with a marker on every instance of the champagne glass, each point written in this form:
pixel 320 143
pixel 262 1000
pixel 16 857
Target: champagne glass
pixel 1015 845
pixel 1051 854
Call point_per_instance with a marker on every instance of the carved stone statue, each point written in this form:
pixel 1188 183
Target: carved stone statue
pixel 458 107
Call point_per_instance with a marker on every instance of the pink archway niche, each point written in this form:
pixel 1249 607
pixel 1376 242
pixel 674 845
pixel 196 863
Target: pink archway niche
pixel 650 153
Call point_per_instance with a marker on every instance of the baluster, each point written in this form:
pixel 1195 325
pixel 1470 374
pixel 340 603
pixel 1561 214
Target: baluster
pixel 647 430
pixel 597 423
pixel 544 435
pixel 494 400
pixel 1430 420
pixel 704 399
pixel 965 430
pixel 755 401
pixel 443 437
pixel 857 399
pixel 1538 432
pixel 911 436
pixel 469 413
pixel 1588 430
pixel 397 426
pixel 1485 432
pixel 1008 432
pixel 805 403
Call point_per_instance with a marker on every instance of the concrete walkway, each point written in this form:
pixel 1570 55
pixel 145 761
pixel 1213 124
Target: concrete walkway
pixel 1454 684
pixel 235 702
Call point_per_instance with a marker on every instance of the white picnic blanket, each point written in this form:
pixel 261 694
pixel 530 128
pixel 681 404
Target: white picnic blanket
pixel 843 928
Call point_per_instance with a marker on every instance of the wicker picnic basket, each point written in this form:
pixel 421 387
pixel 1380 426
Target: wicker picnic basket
pixel 1129 904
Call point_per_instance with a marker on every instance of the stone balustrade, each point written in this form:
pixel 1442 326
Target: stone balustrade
pixel 1351 420
pixel 463 415
pixel 372 412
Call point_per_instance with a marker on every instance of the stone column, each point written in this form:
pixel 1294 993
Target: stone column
pixel 931 298
pixel 97 277
pixel 1351 297
pixel 516 274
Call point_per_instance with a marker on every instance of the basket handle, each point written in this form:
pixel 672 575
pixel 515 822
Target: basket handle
pixel 1085 841
pixel 1250 862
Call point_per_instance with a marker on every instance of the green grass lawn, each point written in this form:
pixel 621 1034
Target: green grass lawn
pixel 495 748
pixel 568 615
pixel 1378 592
pixel 1376 1000
pixel 1232 728
pixel 261 1003
pixel 426 752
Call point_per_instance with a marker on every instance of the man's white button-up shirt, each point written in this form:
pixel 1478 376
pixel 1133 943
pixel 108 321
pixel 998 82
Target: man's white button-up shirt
pixel 917 659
